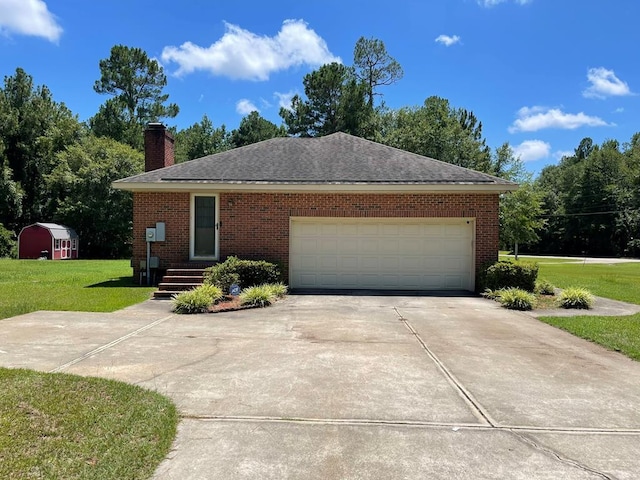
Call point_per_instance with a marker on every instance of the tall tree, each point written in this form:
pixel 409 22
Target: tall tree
pixel 440 131
pixel 254 128
pixel 33 128
pixel 80 193
pixel 335 102
pixel 593 201
pixel 201 139
pixel 520 216
pixel 374 67
pixel 136 83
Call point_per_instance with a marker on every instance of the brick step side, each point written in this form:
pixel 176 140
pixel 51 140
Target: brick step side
pixel 177 286
pixel 185 272
pixel 164 294
pixel 182 279
pixel 178 280
pixel 192 265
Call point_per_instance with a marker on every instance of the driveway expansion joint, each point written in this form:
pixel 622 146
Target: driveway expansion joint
pixel 478 410
pixel 109 345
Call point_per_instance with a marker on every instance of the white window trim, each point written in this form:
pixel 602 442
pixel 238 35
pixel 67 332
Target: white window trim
pixel 192 223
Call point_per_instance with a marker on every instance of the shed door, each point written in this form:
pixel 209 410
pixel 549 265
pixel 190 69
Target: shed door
pixel 364 253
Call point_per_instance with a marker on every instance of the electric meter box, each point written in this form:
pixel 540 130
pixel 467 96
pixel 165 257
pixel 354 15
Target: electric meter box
pixel 150 235
pixel 159 232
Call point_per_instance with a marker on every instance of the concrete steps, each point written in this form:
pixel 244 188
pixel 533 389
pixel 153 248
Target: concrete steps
pixel 178 280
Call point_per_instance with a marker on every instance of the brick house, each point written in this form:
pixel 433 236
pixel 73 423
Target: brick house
pixel 336 212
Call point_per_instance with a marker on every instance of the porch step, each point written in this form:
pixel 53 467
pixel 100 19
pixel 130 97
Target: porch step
pixel 178 280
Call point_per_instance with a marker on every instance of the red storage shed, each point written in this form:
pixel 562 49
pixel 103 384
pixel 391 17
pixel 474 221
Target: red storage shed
pixel 49 240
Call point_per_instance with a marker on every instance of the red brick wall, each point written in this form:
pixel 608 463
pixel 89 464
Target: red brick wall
pixel 256 225
pixel 158 147
pixel 171 208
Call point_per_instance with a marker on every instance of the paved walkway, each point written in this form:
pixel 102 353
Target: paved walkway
pixel 320 387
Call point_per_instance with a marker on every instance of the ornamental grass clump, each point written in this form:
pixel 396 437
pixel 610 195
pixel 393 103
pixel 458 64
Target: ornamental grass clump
pixel 575 297
pixel 259 296
pixel 278 290
pixel 517 299
pixel 544 287
pixel 197 300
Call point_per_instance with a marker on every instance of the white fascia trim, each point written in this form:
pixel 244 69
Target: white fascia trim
pixel 313 188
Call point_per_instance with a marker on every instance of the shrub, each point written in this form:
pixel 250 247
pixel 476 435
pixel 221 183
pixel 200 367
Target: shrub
pixel 7 243
pixel 278 290
pixel 491 294
pixel 504 274
pixel 247 273
pixel 197 300
pixel 259 295
pixel 574 297
pixel 517 299
pixel 544 287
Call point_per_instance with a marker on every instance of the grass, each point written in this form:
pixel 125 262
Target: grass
pixel 539 260
pixel 65 426
pixel 76 285
pixel 621 334
pixel 618 281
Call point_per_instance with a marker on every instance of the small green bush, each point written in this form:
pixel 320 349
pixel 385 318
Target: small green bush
pixel 197 300
pixel 259 295
pixel 544 287
pixel 506 274
pixel 517 299
pixel 278 290
pixel 7 243
pixel 491 294
pixel 246 273
pixel 574 297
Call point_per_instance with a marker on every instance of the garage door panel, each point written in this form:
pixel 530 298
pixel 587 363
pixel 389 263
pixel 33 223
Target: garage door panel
pixel 368 245
pixel 428 254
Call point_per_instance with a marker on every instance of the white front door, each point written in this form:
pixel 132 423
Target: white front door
pixel 204 227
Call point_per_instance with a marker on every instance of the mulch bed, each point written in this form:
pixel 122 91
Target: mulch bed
pixel 229 304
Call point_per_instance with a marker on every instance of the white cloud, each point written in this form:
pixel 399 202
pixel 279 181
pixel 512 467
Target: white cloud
pixel 493 3
pixel 619 110
pixel 245 107
pixel 242 54
pixel 29 17
pixel 531 150
pixel 532 119
pixel 284 99
pixel 604 83
pixel 447 40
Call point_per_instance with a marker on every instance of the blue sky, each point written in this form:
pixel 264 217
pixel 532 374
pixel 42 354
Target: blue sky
pixel 540 74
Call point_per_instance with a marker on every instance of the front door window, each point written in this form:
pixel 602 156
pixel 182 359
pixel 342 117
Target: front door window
pixel 204 227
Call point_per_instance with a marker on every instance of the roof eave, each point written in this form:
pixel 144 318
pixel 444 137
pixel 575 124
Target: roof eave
pixel 314 187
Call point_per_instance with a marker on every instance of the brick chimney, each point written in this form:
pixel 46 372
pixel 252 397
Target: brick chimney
pixel 158 147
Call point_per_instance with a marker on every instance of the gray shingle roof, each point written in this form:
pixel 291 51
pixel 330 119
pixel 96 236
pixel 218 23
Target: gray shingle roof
pixel 334 159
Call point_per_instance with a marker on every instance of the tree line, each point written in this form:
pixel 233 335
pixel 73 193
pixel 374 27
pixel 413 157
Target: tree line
pixel 55 168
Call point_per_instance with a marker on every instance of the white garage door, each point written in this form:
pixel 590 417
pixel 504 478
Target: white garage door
pixel 404 254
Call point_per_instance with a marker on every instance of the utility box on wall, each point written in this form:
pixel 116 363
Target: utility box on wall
pixel 150 236
pixel 160 231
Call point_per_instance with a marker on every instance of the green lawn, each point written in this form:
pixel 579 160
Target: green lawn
pixel 65 426
pixel 621 334
pixel 80 285
pixel 619 281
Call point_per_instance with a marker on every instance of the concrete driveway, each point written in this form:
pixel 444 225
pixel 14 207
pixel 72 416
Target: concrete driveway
pixel 359 387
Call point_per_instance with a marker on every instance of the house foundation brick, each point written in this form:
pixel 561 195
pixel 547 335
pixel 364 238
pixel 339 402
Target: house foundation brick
pixel 256 224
